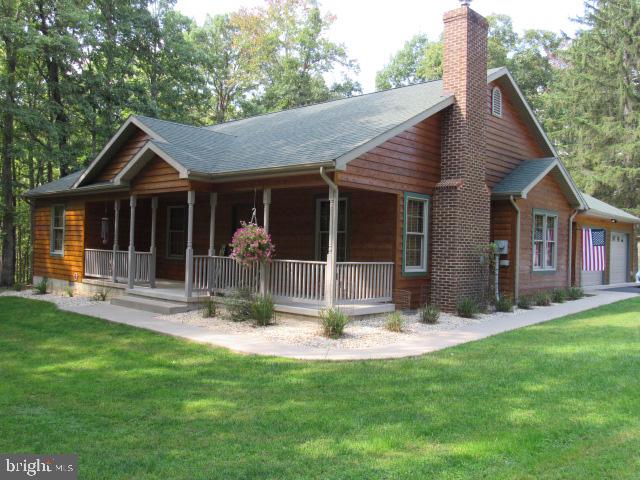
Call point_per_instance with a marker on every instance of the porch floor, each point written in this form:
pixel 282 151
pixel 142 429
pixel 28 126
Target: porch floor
pixel 173 291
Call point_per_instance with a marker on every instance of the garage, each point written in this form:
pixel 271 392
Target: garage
pixel 590 279
pixel 619 258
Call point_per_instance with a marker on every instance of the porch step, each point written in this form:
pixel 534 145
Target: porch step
pixel 153 305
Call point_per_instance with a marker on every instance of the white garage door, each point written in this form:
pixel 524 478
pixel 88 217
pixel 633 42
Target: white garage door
pixel 592 278
pixel 619 252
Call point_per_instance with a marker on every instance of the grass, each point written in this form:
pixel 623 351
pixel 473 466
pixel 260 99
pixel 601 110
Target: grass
pixel 555 400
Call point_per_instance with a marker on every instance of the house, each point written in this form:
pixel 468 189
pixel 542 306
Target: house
pixel 370 200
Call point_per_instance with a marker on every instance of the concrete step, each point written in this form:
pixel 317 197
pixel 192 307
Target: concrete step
pixel 150 304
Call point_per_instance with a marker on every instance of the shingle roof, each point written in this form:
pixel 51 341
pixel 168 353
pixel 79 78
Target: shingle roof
pixel 599 208
pixel 522 176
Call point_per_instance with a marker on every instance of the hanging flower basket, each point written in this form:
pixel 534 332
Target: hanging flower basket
pixel 251 244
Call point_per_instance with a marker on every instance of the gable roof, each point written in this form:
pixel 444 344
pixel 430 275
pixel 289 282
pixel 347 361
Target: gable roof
pixel 530 172
pixel 598 208
pixel 328 134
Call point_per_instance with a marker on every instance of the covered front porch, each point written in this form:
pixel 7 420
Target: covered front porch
pixel 329 249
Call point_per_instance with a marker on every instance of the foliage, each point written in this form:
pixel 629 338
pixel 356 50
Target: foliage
pixel 251 244
pixel 68 291
pixel 525 302
pixel 208 307
pixel 504 304
pixel 542 299
pixel 575 293
pixel 41 287
pixel 558 295
pixel 238 305
pixel 18 286
pixel 262 310
pixel 333 321
pixel 102 295
pixel 429 314
pixel 467 307
pixel 394 322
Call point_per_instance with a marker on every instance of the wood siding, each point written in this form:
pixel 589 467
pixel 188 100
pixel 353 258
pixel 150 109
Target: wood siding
pixel 158 176
pixel 547 195
pixel 70 266
pixel 409 162
pixel 509 140
pixel 126 153
pixel 503 227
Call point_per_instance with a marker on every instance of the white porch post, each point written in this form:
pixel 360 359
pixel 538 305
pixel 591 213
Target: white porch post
pixel 132 248
pixel 330 274
pixel 152 246
pixel 264 268
pixel 188 274
pixel 213 201
pixel 116 225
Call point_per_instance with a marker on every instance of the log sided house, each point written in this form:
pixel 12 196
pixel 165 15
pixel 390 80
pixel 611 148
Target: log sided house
pixel 367 199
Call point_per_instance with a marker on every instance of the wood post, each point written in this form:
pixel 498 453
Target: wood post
pixel 116 232
pixel 264 268
pixel 188 275
pixel 330 278
pixel 152 248
pixel 213 202
pixel 132 248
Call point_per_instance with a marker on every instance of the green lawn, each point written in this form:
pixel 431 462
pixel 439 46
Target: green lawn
pixel 557 400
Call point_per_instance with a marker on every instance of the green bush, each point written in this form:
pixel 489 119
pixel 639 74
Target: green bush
pixel 429 314
pixel 467 307
pixel 262 310
pixel 18 286
pixel 525 302
pixel 542 299
pixel 575 293
pixel 558 296
pixel 68 291
pixel 504 304
pixel 394 322
pixel 209 307
pixel 238 305
pixel 101 295
pixel 42 286
pixel 333 321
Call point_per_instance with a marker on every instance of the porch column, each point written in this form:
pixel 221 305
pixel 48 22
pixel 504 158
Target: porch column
pixel 213 201
pixel 152 248
pixel 264 268
pixel 116 228
pixel 188 271
pixel 132 248
pixel 330 274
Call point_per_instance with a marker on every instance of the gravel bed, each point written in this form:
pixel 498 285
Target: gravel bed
pixel 61 300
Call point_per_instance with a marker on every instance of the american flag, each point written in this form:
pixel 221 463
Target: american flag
pixel 593 249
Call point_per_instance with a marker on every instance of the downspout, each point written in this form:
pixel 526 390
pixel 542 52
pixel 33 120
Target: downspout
pixel 516 282
pixel 330 274
pixel 570 266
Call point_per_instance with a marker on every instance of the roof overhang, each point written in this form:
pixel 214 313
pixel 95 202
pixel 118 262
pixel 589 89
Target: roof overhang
pixel 94 189
pixel 137 163
pixel 590 212
pixel 117 140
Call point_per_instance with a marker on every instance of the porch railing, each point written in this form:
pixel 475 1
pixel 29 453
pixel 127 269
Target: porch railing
pixel 99 264
pixel 364 281
pixel 297 280
pixel 143 267
pixel 219 274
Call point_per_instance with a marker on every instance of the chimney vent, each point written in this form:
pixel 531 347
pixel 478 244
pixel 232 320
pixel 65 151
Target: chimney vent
pixel 465 3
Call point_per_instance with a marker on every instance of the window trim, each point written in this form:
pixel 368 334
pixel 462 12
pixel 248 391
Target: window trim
pixel 316 234
pixel 546 214
pixel 496 107
pixel 423 270
pixel 168 230
pixel 52 251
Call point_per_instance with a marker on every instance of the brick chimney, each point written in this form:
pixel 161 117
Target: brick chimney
pixel 461 203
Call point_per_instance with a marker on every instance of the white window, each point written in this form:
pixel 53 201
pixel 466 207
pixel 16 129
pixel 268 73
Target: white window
pixel 57 230
pixel 545 233
pixel 322 229
pixel 416 221
pixel 496 102
pixel 175 231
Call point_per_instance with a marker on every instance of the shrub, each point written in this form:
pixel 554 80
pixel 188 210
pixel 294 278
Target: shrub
pixel 18 286
pixel 467 307
pixel 525 302
pixel 542 299
pixel 429 314
pixel 575 293
pixel 238 305
pixel 333 321
pixel 68 291
pixel 262 310
pixel 558 296
pixel 42 286
pixel 209 308
pixel 504 304
pixel 101 295
pixel 394 322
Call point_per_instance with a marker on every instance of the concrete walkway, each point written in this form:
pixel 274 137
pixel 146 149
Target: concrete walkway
pixel 412 346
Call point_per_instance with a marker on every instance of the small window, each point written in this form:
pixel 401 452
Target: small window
pixel 322 229
pixel 416 221
pixel 496 102
pixel 545 233
pixel 57 229
pixel 175 232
